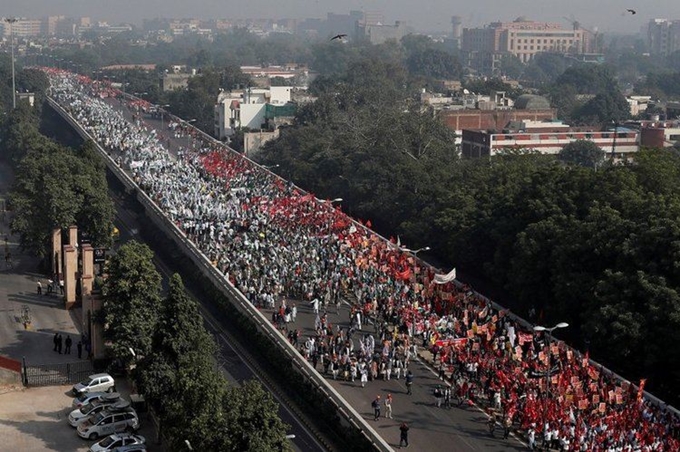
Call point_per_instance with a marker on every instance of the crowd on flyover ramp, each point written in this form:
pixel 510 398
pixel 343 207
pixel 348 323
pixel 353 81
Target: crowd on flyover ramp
pixel 275 242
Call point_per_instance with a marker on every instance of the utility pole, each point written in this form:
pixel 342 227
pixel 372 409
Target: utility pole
pixel 10 21
pixel 616 127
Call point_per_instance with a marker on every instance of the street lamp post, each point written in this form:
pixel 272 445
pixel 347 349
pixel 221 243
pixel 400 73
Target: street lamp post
pixel 548 332
pixel 189 131
pixel 11 21
pixel 162 112
pixel 415 252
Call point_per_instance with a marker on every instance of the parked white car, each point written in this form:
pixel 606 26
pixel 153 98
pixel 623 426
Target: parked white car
pixel 86 398
pixel 109 421
pixel 116 440
pixel 95 383
pixel 95 406
pixel 133 448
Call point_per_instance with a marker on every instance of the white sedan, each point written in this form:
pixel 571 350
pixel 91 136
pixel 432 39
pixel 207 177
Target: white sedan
pixel 87 398
pixel 116 440
pixel 95 406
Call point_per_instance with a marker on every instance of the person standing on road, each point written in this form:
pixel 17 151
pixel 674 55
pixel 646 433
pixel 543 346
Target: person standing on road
pixel 39 288
pixel 388 406
pixel 531 437
pixel 409 383
pixel 315 305
pixel 403 437
pixel 507 424
pixel 59 343
pixel 68 343
pixel 55 339
pixel 376 408
pixel 79 346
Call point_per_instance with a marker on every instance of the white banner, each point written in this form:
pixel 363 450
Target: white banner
pixel 443 279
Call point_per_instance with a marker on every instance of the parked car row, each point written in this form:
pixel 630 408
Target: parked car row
pixel 99 412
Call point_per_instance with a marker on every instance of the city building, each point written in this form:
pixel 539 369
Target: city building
pixel 173 81
pixel 526 108
pixel 657 134
pixel 483 48
pixel 23 27
pixel 663 36
pixel 638 104
pixel 379 33
pixel 254 108
pixel 456 32
pixel 546 138
pixel 293 74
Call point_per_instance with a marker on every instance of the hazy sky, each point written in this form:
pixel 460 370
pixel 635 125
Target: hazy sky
pixel 607 15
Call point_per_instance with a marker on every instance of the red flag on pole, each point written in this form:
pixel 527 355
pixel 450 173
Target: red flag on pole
pixel 641 390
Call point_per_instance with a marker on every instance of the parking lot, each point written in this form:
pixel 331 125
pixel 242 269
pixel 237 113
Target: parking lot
pixel 35 420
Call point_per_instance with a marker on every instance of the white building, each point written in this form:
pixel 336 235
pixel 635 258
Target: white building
pixel 638 104
pixel 247 108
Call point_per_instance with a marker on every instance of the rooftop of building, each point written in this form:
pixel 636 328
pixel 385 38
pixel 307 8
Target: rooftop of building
pixel 532 102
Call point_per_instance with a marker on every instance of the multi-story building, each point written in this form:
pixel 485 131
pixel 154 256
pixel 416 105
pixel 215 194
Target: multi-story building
pixel 379 33
pixel 483 48
pixel 250 108
pixel 23 28
pixel 663 36
pixel 547 138
pixel 527 107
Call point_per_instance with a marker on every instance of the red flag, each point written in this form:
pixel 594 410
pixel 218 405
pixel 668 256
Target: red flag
pixel 405 275
pixel 641 390
pixel 524 337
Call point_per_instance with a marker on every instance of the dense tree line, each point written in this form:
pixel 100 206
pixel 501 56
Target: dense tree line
pixel 55 186
pixel 588 94
pixel 576 239
pixel 175 362
pixel 361 120
pixel 664 85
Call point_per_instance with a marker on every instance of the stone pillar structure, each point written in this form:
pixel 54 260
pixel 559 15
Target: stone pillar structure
pixel 56 255
pixel 70 275
pixel 73 236
pixel 87 274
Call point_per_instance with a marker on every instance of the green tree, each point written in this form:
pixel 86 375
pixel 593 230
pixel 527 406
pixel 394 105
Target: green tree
pixel 545 67
pixel 54 188
pixel 582 152
pixel 564 99
pixel 131 300
pixel 512 67
pixel 605 107
pixel 588 78
pixel 250 421
pixel 199 391
pixel 179 333
pixel 434 63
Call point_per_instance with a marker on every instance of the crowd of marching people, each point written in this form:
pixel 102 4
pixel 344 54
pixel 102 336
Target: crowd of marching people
pixel 277 244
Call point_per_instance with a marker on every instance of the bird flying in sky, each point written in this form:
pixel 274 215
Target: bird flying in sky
pixel 340 36
pixel 632 11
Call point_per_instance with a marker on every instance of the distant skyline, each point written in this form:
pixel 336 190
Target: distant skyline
pixel 424 15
